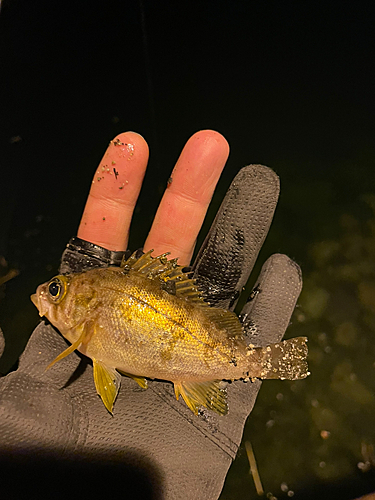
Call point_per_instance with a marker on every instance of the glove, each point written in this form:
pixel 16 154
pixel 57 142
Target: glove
pixel 57 437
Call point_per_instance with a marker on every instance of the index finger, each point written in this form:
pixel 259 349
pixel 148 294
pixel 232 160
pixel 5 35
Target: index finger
pixel 114 192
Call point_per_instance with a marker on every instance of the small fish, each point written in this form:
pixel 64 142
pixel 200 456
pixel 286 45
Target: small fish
pixel 147 319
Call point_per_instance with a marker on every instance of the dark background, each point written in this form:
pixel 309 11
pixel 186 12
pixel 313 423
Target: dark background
pixel 289 84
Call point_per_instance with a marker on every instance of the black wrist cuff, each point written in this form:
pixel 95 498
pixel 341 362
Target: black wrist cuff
pixel 81 255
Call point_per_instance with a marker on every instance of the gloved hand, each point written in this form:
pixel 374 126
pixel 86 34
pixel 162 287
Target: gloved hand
pixel 54 429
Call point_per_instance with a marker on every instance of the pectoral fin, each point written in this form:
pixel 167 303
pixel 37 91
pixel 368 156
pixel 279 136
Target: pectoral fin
pixel 69 350
pixel 107 382
pixel 208 394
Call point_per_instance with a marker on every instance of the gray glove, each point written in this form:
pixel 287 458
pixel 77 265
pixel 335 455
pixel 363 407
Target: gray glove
pixel 55 429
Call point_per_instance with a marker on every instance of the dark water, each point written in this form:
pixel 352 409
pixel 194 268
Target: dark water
pixel 289 86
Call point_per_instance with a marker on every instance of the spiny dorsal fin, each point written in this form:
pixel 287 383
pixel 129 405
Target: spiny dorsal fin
pixel 149 266
pixel 208 394
pixel 173 280
pixel 170 275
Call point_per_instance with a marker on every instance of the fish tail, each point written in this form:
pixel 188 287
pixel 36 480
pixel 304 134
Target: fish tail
pixel 282 360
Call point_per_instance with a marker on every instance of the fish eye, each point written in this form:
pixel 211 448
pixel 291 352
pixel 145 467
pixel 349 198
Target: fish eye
pixel 56 289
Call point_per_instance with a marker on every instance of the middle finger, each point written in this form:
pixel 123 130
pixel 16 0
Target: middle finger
pixel 185 202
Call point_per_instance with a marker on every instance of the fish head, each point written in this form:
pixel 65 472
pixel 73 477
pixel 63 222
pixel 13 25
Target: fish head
pixel 49 299
pixel 59 302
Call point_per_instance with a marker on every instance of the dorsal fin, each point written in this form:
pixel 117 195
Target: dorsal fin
pixel 170 275
pixel 147 265
pixel 173 280
pixel 226 320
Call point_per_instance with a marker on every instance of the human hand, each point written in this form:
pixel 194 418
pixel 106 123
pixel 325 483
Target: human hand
pixel 172 453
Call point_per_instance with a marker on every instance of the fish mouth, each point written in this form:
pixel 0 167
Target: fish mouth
pixel 37 303
pixel 34 300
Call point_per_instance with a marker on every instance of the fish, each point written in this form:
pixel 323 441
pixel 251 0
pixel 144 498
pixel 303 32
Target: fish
pixel 147 319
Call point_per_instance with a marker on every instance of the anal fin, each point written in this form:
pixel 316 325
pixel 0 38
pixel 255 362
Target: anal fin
pixel 107 382
pixel 208 394
pixel 141 381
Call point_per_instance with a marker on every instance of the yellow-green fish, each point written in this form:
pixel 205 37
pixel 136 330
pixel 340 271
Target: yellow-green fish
pixel 147 319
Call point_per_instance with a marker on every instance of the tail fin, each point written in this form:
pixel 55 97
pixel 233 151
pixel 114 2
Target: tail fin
pixel 283 360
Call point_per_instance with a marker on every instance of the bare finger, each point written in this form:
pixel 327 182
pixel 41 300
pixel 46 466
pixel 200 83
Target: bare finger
pixel 184 205
pixel 114 192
